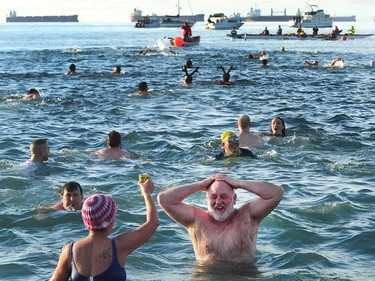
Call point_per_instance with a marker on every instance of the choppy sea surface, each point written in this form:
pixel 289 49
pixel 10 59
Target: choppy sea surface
pixel 323 229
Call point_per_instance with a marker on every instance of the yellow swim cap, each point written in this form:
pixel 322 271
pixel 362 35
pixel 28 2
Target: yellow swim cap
pixel 227 135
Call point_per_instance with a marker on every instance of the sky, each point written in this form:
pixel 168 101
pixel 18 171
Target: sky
pixel 118 11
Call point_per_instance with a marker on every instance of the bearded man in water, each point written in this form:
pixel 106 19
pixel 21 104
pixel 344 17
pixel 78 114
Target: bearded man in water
pixel 223 233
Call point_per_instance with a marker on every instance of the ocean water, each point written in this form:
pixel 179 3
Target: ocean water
pixel 324 227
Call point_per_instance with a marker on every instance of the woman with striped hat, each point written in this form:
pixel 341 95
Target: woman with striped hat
pixel 98 257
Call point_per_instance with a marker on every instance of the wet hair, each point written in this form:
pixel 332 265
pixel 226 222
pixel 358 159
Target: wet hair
pixel 264 62
pixel 189 63
pixel 251 56
pixel 143 86
pixel 283 133
pixel 114 139
pixel 226 75
pixel 71 186
pixel 188 78
pixel 118 69
pixel 33 91
pixel 72 67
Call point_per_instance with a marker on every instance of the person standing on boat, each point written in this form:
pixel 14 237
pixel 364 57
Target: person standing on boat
pixel 186 30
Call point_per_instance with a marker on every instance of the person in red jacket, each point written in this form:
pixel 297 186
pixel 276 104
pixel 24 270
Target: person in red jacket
pixel 186 30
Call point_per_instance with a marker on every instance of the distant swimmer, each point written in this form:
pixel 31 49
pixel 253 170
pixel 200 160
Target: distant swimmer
pixel 315 62
pixel 72 70
pixel 114 150
pixel 189 63
pixel 226 76
pixel 337 62
pixel 143 89
pixel 32 94
pixel 188 78
pixel 116 69
pixel 246 138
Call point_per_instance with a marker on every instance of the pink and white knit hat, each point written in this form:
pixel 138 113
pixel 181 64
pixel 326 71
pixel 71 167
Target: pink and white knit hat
pixel 98 212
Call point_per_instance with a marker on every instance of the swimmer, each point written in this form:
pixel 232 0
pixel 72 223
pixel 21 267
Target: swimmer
pixel 277 127
pixel 143 89
pixel 246 138
pixel 315 62
pixel 71 197
pixel 32 94
pixel 188 78
pixel 264 62
pixel 337 62
pixel 189 63
pixel 72 69
pixel 230 144
pixel 116 69
pixel 226 76
pixel 114 150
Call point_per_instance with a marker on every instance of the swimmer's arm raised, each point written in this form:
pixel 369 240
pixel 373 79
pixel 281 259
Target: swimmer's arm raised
pixel 62 271
pixel 269 195
pixel 171 201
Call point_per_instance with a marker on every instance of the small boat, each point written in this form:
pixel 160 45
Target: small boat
pixel 312 17
pixel 222 22
pixel 191 41
pixel 148 22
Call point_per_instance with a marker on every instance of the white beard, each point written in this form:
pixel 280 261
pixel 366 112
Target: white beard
pixel 222 217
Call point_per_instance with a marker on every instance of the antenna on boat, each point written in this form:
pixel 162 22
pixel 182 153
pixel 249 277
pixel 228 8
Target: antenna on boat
pixel 191 10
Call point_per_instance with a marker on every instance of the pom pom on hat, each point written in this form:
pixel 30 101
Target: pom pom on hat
pixel 98 212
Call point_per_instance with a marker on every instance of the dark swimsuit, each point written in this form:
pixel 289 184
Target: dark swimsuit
pixel 242 152
pixel 114 272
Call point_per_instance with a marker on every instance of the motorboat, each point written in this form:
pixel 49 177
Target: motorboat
pixel 312 17
pixel 148 22
pixel 222 22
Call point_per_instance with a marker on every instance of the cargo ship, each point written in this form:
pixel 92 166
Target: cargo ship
pixel 344 18
pixel 255 15
pixel 14 18
pixel 137 15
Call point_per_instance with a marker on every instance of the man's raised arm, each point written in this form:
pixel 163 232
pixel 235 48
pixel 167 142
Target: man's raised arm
pixel 171 200
pixel 269 195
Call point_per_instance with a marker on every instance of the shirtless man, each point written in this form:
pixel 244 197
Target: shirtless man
pixel 222 233
pixel 247 139
pixel 114 150
pixel 71 197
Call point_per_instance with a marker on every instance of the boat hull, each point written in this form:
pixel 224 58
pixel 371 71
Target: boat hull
pixel 224 25
pixel 174 23
pixel 191 41
pixel 72 18
pixel 248 36
pixel 311 24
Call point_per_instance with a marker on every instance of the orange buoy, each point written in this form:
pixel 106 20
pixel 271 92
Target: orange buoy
pixel 178 41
